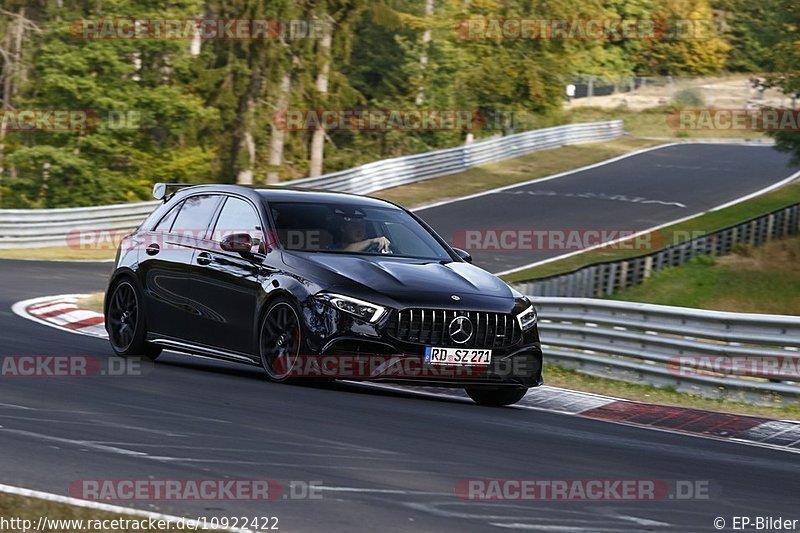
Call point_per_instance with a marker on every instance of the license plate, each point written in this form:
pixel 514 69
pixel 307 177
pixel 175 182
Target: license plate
pixel 457 356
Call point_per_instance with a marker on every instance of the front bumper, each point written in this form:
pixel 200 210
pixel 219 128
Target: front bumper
pixel 354 360
pixel 342 347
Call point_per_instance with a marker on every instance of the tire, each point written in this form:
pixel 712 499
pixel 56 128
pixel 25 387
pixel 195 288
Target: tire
pixel 126 324
pixel 280 341
pixel 496 397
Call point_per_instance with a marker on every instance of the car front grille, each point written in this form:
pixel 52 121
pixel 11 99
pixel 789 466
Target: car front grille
pixel 430 326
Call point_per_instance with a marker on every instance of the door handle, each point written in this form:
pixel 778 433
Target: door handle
pixel 204 258
pixel 153 249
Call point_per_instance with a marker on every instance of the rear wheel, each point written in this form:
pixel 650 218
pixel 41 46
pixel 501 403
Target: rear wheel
pixel 280 339
pixel 125 323
pixel 496 397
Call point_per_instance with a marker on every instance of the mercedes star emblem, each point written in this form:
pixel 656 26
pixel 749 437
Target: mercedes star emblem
pixel 460 329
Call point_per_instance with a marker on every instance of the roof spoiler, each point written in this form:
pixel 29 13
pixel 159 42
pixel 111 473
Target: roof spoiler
pixel 161 190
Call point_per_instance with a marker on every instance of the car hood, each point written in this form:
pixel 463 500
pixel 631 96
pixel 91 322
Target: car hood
pixel 407 281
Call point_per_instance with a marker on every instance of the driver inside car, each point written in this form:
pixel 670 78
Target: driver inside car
pixel 354 238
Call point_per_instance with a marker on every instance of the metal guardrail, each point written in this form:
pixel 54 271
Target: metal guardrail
pixel 38 228
pixel 410 169
pixel 711 353
pixel 607 278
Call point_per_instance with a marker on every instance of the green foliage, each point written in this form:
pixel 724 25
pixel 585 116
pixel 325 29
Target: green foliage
pixel 785 56
pixel 704 260
pixel 764 279
pixel 755 29
pixel 691 44
pixel 48 176
pixel 194 116
pixel 144 125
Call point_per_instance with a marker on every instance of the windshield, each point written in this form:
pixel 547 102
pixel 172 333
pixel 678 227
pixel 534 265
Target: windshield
pixel 353 229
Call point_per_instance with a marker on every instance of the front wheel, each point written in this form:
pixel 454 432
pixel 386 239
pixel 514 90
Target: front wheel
pixel 280 339
pixel 125 323
pixel 496 397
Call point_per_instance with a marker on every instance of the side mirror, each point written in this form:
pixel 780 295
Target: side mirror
pixel 159 191
pixel 241 243
pixel 463 254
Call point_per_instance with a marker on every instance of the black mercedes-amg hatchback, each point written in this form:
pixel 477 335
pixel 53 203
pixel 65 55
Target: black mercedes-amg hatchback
pixel 312 284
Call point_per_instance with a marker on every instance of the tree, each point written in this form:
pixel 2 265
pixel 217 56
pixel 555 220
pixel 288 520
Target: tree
pixel 321 86
pixel 754 29
pixel 198 110
pixel 688 43
pixel 786 58
pixel 142 122
pixel 13 25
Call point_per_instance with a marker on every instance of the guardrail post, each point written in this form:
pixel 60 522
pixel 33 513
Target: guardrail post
pixel 770 227
pixel 648 266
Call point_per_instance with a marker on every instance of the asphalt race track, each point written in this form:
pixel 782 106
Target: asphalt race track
pixel 632 194
pixel 387 461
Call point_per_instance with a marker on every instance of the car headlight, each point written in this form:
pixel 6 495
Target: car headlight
pixel 527 318
pixel 359 308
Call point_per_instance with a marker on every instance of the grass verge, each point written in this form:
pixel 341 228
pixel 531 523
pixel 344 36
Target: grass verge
pixel 93 302
pixel 25 508
pixel 570 379
pixel 751 280
pixel 657 122
pixel 56 253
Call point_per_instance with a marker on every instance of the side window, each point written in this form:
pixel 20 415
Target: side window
pixel 195 216
pixel 238 216
pixel 165 225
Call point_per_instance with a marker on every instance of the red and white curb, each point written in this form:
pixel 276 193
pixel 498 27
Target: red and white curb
pixel 743 429
pixel 726 426
pixel 63 312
